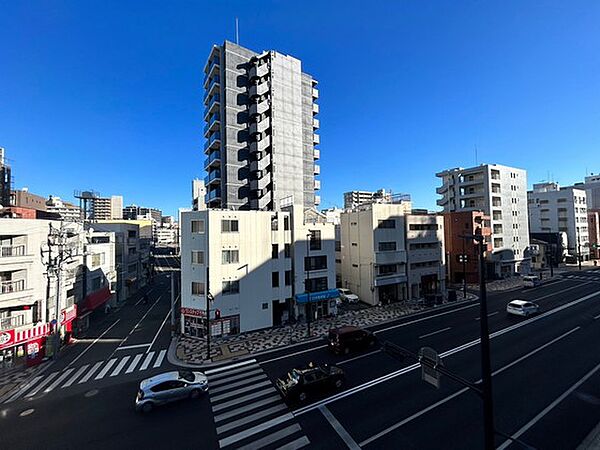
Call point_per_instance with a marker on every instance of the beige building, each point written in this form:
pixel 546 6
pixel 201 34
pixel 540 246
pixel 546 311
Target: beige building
pixel 107 208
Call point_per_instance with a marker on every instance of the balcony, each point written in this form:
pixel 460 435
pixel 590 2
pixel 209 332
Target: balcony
pixel 213 66
pixel 214 123
pixel 317 199
pixel 317 169
pixel 8 287
pixel 259 127
pixel 214 177
pixel 258 71
pixel 442 189
pixel 213 195
pixel 317 185
pixel 315 124
pixel 214 159
pixel 317 153
pixel 261 183
pixel 315 93
pixel 214 102
pixel 257 90
pixel 261 145
pixel 316 139
pixel 259 108
pixel 213 141
pixel 260 164
pixel 392 257
pixel 315 108
pixel 212 88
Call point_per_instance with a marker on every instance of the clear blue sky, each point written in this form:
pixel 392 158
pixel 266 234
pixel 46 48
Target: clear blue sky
pixel 107 95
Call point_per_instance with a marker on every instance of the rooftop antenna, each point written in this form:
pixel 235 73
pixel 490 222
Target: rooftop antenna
pixel 237 31
pixel 476 159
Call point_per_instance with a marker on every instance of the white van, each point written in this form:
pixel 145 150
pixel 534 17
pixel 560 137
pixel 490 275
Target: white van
pixel 530 281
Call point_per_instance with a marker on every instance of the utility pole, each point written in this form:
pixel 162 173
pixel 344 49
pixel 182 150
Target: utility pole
pixel 464 261
pixel 306 284
pixel 209 299
pixel 579 250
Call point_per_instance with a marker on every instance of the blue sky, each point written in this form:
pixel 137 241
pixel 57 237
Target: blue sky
pixel 107 95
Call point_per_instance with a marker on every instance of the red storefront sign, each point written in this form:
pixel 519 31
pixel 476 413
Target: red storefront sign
pixel 193 312
pixel 66 315
pixel 11 337
pixel 96 299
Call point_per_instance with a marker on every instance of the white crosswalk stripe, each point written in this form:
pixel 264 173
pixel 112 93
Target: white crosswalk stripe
pixel 125 365
pixel 248 411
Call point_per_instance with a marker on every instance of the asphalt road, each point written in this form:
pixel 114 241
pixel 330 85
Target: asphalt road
pixel 546 384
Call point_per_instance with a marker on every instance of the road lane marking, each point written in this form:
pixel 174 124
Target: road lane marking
pixel 146 362
pixel 251 418
pixel 341 363
pixel 161 326
pixel 129 347
pixel 463 390
pixel 238 384
pixel 213 384
pixel 256 429
pixel 489 315
pixel 218 398
pixel 274 437
pixel 245 409
pixel 93 370
pixel 460 348
pixel 238 400
pixel 425 318
pixel 597 317
pixel 24 388
pixel 105 369
pixel 137 324
pixel 120 366
pixel 142 297
pixel 301 442
pixel 435 332
pixel 231 366
pixel 339 429
pixel 90 346
pixel 41 385
pixel 312 349
pixel 74 377
pixel 159 359
pixel 64 375
pixel 550 407
pixel 134 363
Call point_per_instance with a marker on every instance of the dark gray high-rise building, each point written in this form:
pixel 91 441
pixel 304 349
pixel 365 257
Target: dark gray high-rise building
pixel 5 181
pixel 260 130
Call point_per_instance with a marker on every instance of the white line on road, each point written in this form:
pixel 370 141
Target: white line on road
pixel 146 362
pixel 23 389
pixel 357 357
pixel 462 391
pixel 256 429
pixel 231 366
pixel 339 429
pixel 97 339
pixel 312 349
pixel 42 385
pixel 550 407
pixel 435 332
pixel 489 315
pixel 142 298
pixel 597 317
pixel 64 375
pixel 74 377
pixel 134 363
pixel 105 369
pixel 128 347
pixel 159 359
pixel 91 372
pixel 120 366
pixel 161 326
pixel 426 318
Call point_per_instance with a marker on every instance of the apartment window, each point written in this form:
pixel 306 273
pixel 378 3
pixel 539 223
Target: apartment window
pixel 354 244
pixel 288 277
pixel 355 265
pixel 229 226
pixel 561 200
pixel 274 279
pixel 286 223
pixel 198 226
pixel 197 257
pixel 131 233
pixel 287 250
pixel 274 224
pixel 98 259
pixel 423 226
pixel 275 251
pixel 498 242
pixel 316 284
pixel 387 269
pixel 496 201
pixel 315 262
pixel 315 239
pixel 387 246
pixel 497 228
pixel 338 246
pixel 497 215
pixel 495 188
pixel 387 223
pixel 265 306
pixel 425 246
pixel 230 287
pixel 230 256
pixel 197 288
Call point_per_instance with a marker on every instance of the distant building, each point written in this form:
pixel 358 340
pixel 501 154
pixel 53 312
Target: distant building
pixel 591 185
pixel 198 194
pixel 25 199
pixel 131 212
pixel 353 199
pixel 594 232
pixel 500 192
pixel 68 212
pixel 107 208
pixel 5 181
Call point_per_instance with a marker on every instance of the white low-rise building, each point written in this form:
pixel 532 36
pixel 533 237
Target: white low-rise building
pixel 257 266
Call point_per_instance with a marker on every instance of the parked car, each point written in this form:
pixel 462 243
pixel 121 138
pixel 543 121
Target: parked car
pixel 300 384
pixel 169 387
pixel 530 281
pixel 349 338
pixel 522 308
pixel 347 296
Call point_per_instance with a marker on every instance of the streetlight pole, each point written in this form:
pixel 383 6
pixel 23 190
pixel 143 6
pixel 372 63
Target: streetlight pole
pixel 209 299
pixel 579 249
pixel 464 261
pixel 306 285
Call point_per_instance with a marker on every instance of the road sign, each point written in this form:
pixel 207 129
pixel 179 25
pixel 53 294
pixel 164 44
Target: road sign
pixel 429 360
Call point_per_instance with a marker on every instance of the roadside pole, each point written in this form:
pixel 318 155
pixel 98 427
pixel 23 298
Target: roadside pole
pixel 464 261
pixel 172 304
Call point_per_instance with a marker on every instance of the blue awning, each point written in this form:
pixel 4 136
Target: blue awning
pixel 316 297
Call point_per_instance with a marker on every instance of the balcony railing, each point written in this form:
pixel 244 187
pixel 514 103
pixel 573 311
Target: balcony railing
pixel 8 323
pixel 212 176
pixel 213 195
pixel 214 63
pixel 214 82
pixel 7 287
pixel 214 138
pixel 214 156
pixel 212 120
pixel 8 251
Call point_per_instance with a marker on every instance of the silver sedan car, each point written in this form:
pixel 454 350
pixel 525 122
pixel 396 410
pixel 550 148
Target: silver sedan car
pixel 168 387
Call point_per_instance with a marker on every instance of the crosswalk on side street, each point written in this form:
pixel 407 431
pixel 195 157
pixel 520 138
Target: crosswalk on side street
pixel 248 411
pixel 70 376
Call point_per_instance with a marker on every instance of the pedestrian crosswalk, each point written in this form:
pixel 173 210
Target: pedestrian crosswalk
pixel 248 411
pixel 594 276
pixel 43 384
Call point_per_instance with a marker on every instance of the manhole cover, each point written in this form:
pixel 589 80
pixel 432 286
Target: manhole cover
pixel 27 412
pixel 91 393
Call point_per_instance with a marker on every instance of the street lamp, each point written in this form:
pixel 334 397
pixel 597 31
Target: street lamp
pixel 306 284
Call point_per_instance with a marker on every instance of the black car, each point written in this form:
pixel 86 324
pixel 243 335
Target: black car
pixel 299 384
pixel 349 338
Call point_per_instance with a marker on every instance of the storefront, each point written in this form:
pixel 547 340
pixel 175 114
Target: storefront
pixel 67 317
pixel 317 304
pixel 92 302
pixel 193 322
pixel 22 348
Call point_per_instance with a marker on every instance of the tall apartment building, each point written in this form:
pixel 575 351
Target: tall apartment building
pixel 198 195
pixel 260 130
pixel 591 185
pixel 389 254
pixel 501 193
pixel 5 180
pixel 107 208
pixel 67 212
pixel 353 199
pixel 261 267
pixel 554 209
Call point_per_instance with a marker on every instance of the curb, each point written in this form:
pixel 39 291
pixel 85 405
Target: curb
pixel 592 440
pixel 173 359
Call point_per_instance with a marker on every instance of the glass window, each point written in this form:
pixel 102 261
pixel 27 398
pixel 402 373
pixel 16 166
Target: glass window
pixel 315 262
pixel 315 239
pixel 316 284
pixel 197 288
pixel 286 223
pixel 230 287
pixel 197 257
pixel 230 256
pixel 288 277
pixel 275 251
pixel 387 246
pixel 287 250
pixel 265 306
pixel 387 223
pixel 229 226
pixel 198 226
pixel 275 279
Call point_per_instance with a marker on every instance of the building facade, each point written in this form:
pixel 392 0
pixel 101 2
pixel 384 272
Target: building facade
pixel 198 195
pixel 67 212
pixel 353 199
pixel 591 185
pixel 500 192
pixel 107 208
pixel 594 232
pixel 553 209
pixel 260 130
pixel 25 199
pixel 5 180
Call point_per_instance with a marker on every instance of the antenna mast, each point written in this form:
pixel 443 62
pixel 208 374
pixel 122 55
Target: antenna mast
pixel 237 32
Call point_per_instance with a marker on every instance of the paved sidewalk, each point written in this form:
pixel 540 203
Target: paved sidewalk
pixel 193 350
pixel 592 440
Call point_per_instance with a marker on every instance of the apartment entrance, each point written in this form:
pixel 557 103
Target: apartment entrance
pixel 392 293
